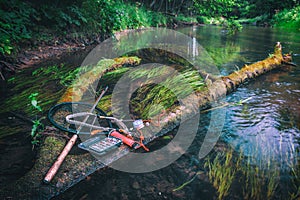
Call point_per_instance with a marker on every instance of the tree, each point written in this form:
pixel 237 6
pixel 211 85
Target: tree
pixel 215 8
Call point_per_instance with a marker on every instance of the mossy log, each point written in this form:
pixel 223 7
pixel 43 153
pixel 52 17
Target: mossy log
pixel 80 86
pixel 248 72
pixel 76 167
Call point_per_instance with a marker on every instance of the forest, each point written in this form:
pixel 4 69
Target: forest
pixel 32 22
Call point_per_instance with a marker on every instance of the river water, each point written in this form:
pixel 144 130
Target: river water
pixel 262 134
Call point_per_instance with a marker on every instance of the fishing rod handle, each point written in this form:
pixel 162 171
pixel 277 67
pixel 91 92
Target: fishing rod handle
pixel 53 170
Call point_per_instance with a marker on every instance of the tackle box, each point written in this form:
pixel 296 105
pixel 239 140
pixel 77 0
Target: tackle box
pixel 99 145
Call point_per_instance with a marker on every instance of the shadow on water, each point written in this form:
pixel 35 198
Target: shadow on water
pixel 262 135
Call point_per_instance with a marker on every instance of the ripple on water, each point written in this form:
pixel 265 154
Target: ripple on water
pixel 260 128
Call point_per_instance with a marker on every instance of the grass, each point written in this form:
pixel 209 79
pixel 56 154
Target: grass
pixel 150 98
pixel 42 82
pixel 33 97
pixel 168 92
pixel 258 176
pixel 221 172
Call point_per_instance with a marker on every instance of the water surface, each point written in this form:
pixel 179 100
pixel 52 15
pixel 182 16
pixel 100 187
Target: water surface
pixel 263 132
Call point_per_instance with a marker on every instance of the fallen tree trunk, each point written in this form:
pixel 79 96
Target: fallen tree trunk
pixel 76 167
pixel 248 72
pixel 80 86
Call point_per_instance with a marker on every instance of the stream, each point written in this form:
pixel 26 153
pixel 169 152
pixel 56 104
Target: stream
pixel 262 134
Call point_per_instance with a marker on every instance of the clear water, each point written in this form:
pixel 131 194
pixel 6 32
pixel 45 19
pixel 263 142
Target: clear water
pixel 265 130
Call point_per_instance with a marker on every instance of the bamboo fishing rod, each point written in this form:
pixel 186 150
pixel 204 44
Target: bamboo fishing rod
pixel 54 168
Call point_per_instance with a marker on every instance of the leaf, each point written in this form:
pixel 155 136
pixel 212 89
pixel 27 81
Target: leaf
pixel 32 95
pixel 34 103
pixel 167 137
pixel 39 108
pixel 33 130
pixel 35 142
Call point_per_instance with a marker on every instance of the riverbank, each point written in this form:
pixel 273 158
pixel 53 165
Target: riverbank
pixel 31 32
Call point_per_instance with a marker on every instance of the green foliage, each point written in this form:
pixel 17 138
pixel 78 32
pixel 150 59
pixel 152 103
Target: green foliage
pixel 34 101
pixel 5 44
pixel 202 19
pixel 150 99
pixel 219 12
pixel 271 6
pixel 37 123
pixel 184 18
pixel 188 182
pixel 233 26
pixel 64 77
pixel 14 24
pixel 215 8
pixel 221 172
pixel 255 171
pixel 115 15
pixel 295 172
pixel 62 18
pixel 288 18
pixel 41 82
pixel 255 20
pixel 23 20
pixel 36 128
pixel 285 12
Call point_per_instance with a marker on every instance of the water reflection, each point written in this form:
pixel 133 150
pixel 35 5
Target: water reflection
pixel 266 129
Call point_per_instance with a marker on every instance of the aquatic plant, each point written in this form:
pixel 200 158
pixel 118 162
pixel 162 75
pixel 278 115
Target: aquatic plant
pixel 37 123
pixel 47 77
pixel 221 172
pixel 188 182
pixel 82 83
pixel 34 101
pixel 258 177
pixel 295 194
pixel 145 100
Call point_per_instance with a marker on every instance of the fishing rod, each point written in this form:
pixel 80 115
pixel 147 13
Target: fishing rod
pixel 53 170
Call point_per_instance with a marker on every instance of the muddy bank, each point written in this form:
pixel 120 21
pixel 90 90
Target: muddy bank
pixel 33 56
